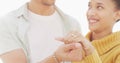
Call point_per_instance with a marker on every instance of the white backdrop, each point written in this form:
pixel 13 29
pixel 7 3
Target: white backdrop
pixel 75 8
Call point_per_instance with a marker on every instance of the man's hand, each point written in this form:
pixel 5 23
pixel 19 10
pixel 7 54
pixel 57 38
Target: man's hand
pixel 69 52
pixel 76 37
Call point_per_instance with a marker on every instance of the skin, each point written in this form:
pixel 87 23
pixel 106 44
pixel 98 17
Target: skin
pixel 15 56
pixel 101 15
pixel 66 52
pixel 87 47
pixel 41 7
pixel 96 15
pixel 69 52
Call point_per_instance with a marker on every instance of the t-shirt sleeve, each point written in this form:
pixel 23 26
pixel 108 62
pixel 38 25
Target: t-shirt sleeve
pixel 7 40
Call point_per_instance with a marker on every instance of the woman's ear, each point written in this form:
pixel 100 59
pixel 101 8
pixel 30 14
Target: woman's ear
pixel 117 15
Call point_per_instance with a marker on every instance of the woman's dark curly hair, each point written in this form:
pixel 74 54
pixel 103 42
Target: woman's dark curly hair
pixel 117 3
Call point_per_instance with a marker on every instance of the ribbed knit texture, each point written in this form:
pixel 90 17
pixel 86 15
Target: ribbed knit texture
pixel 107 50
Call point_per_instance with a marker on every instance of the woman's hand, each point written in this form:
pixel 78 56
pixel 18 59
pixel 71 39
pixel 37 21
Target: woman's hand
pixel 69 52
pixel 76 37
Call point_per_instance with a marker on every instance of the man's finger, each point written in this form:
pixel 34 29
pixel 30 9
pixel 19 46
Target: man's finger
pixel 72 46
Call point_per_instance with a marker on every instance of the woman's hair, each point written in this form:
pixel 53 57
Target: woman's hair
pixel 118 20
pixel 117 3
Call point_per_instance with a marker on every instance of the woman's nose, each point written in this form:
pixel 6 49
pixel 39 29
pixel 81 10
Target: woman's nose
pixel 91 12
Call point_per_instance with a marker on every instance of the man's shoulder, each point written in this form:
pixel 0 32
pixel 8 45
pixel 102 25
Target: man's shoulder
pixel 65 15
pixel 8 18
pixel 69 20
pixel 8 15
pixel 13 15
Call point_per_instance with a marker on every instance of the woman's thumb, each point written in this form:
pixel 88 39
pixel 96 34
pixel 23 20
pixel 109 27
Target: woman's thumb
pixel 72 46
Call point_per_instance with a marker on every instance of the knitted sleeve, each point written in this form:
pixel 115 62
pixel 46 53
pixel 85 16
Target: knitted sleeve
pixel 117 59
pixel 93 58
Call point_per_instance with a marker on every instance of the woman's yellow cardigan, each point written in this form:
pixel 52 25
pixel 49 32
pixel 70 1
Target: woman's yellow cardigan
pixel 107 50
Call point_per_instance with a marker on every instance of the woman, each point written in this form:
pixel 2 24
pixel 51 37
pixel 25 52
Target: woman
pixel 101 15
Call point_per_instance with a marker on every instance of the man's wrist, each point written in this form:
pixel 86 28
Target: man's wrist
pixel 55 58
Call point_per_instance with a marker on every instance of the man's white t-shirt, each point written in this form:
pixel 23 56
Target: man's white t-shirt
pixel 42 33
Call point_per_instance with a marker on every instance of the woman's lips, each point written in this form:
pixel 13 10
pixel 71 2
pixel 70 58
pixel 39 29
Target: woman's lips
pixel 93 20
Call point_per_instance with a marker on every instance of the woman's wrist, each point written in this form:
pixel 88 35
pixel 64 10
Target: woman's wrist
pixel 90 50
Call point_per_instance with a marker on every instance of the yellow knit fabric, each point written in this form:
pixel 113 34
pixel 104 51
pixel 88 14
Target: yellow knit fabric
pixel 107 50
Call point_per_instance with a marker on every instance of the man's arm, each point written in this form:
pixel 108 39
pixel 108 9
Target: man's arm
pixel 65 52
pixel 15 56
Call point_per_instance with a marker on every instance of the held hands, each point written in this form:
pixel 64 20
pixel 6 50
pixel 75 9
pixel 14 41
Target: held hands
pixel 76 47
pixel 69 52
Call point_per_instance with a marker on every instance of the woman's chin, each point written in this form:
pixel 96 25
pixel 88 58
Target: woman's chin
pixel 92 29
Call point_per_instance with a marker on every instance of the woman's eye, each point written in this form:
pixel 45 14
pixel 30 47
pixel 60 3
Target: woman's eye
pixel 99 7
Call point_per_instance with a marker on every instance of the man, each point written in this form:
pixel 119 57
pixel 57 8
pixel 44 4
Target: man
pixel 27 35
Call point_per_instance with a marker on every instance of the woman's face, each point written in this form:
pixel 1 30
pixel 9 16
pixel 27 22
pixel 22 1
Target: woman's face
pixel 101 15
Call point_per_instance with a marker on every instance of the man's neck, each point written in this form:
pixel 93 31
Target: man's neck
pixel 41 9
